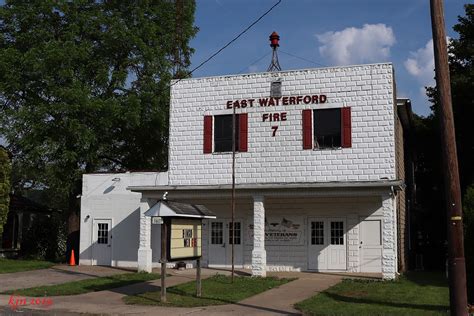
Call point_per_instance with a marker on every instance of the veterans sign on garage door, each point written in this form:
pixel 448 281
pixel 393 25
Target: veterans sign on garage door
pixel 281 231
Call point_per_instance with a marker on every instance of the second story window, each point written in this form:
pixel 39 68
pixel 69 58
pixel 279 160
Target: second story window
pixel 327 128
pixel 218 133
pixel 223 133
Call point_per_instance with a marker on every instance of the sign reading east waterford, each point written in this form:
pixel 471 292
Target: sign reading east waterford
pixel 276 101
pixel 185 238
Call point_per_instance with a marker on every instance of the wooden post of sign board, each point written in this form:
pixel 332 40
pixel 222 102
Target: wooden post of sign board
pixel 198 278
pixel 164 240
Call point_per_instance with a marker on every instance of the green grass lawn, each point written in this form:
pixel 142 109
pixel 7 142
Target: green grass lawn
pixel 13 265
pixel 216 290
pixel 417 293
pixel 89 285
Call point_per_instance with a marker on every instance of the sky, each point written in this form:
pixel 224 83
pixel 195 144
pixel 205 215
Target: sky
pixel 321 33
pixel 324 33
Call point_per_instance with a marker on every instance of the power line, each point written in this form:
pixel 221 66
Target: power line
pixel 233 40
pixel 256 61
pixel 307 60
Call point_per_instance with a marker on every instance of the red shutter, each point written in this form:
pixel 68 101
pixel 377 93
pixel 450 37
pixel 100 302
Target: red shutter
pixel 346 127
pixel 207 134
pixel 307 129
pixel 243 132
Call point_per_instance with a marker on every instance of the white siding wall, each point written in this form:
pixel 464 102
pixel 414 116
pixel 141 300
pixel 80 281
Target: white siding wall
pixel 367 89
pixel 103 198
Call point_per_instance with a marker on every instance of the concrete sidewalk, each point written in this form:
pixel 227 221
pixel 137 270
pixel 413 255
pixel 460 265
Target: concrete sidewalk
pixel 54 275
pixel 278 301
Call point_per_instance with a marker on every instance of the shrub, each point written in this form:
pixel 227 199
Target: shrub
pixel 468 210
pixel 46 239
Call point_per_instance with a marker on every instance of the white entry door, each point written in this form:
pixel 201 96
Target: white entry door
pixel 327 244
pixel 220 243
pixel 102 245
pixel 370 245
pixel 317 256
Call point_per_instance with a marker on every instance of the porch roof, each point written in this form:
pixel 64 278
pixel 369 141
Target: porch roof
pixel 396 184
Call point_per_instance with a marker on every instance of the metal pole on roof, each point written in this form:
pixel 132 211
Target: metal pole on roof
pixel 456 260
pixel 233 193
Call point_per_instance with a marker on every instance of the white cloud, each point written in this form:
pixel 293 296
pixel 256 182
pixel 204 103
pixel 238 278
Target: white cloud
pixel 421 64
pixel 368 44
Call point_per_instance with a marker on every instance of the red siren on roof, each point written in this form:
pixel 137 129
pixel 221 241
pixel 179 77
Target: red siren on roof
pixel 274 43
pixel 274 39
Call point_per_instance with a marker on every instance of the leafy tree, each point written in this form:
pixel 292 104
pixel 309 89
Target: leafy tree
pixel 45 239
pixel 84 86
pixel 461 63
pixel 468 218
pixel 428 222
pixel 5 173
pixel 461 66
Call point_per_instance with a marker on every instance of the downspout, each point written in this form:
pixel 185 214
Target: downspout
pixel 395 227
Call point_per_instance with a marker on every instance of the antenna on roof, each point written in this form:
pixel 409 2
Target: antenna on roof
pixel 274 43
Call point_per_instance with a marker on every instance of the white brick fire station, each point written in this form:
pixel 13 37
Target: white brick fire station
pixel 320 166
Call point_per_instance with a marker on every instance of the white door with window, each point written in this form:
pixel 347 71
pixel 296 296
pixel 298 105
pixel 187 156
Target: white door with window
pixel 102 242
pixel 327 244
pixel 370 245
pixel 220 243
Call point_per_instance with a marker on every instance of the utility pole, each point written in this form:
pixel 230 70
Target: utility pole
pixel 456 261
pixel 232 227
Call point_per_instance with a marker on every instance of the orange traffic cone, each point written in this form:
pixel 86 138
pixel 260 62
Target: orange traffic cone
pixel 72 261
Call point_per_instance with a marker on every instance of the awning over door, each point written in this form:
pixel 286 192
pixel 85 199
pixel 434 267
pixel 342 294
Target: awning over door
pixel 165 208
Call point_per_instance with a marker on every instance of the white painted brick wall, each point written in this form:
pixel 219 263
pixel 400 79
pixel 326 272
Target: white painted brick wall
pixel 353 243
pixel 389 257
pixel 145 258
pixel 259 255
pixel 367 89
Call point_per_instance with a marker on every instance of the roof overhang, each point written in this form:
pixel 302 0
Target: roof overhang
pixel 405 113
pixel 164 208
pixel 395 184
